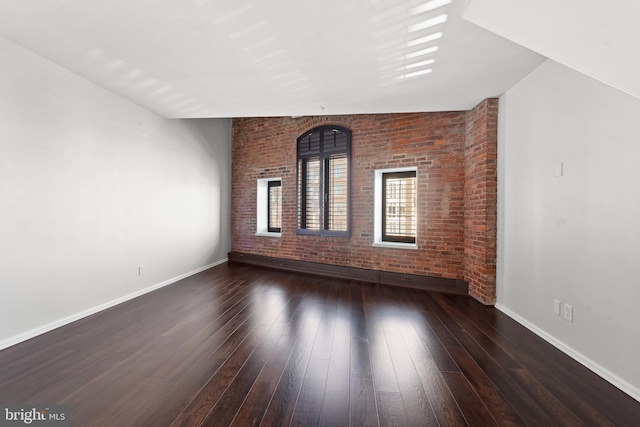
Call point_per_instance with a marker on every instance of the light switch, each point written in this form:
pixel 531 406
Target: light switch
pixel 568 313
pixel 560 169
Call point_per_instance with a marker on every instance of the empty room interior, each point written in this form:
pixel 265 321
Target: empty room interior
pixel 357 213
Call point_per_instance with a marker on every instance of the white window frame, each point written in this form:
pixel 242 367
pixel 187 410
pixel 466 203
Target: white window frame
pixel 377 209
pixel 262 207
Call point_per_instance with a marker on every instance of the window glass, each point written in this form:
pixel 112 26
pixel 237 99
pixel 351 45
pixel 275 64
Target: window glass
pixel 269 207
pixel 275 207
pixel 399 207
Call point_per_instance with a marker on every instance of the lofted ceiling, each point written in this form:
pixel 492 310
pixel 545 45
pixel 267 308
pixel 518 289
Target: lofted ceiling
pixel 597 38
pixel 238 58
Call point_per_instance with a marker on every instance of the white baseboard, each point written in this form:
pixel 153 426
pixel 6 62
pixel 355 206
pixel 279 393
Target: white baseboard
pixel 69 319
pixel 598 369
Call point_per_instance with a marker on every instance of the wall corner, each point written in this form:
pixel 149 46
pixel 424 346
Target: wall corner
pixel 480 200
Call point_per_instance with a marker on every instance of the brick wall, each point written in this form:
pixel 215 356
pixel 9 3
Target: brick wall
pixel 480 204
pixel 433 142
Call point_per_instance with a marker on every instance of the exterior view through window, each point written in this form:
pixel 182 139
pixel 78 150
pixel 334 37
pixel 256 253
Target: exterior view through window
pixel 274 222
pixel 399 207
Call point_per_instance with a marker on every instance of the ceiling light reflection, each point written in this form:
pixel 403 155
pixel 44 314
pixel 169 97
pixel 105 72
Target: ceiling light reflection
pixel 248 30
pixel 94 54
pixel 114 65
pixel 292 82
pixel 133 74
pixel 417 64
pixel 173 97
pixel 287 74
pixel 426 7
pixel 259 44
pixel 425 39
pixel 270 55
pixel 417 73
pixel 407 40
pixel 184 102
pixel 413 74
pixel 279 65
pixel 147 83
pixel 440 19
pixel 422 52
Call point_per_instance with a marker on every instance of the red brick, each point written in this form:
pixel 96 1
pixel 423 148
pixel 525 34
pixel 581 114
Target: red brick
pixel 454 153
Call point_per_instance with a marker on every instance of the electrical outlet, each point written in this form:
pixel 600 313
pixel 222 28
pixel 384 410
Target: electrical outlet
pixel 557 307
pixel 568 313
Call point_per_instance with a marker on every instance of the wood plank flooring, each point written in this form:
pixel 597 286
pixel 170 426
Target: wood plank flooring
pixel 241 345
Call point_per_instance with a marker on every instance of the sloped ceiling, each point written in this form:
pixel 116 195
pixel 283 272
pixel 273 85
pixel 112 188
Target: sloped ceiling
pixel 598 38
pixel 237 58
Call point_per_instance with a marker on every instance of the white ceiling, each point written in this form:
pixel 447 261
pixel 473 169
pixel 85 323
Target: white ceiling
pixel 231 58
pixel 598 38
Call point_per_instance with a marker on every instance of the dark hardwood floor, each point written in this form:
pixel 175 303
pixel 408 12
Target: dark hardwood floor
pixel 240 345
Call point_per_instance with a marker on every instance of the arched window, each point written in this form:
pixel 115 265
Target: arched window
pixel 323 181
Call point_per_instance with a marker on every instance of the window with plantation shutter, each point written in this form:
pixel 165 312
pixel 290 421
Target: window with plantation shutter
pixel 323 181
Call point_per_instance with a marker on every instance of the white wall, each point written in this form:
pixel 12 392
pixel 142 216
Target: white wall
pixel 575 238
pixel 92 187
